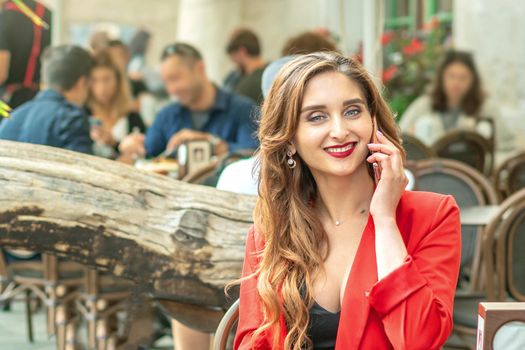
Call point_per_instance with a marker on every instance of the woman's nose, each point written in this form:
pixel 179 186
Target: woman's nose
pixel 338 128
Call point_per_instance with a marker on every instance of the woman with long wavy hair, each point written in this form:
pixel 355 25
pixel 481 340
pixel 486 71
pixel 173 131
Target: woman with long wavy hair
pixel 457 100
pixel 341 256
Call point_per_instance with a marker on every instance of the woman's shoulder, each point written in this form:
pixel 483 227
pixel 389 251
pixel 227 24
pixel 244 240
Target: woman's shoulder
pixel 423 102
pixel 255 240
pixel 421 213
pixel 424 198
pixel 421 204
pixel 421 106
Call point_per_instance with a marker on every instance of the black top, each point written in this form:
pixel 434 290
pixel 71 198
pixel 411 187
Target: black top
pixel 250 85
pixel 322 329
pixel 135 121
pixel 17 32
pixel 137 87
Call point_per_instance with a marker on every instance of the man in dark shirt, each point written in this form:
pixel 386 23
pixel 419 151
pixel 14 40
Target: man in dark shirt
pixel 55 117
pixel 21 45
pixel 245 51
pixel 203 111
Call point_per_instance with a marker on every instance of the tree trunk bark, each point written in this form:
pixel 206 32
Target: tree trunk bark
pixel 177 241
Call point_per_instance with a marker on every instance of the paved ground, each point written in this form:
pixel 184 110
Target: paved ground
pixel 13 331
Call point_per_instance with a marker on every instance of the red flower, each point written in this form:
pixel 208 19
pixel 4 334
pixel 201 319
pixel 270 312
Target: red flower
pixel 389 73
pixel 413 48
pixel 386 38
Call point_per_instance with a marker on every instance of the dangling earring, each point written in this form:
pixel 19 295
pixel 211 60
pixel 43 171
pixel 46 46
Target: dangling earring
pixel 291 162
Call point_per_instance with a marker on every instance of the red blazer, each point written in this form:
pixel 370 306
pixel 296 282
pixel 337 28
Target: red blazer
pixel 411 308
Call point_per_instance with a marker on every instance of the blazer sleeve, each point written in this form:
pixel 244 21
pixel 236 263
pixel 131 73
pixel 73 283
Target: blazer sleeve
pixel 415 301
pixel 250 314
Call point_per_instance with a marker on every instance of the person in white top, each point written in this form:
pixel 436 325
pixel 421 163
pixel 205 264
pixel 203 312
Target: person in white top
pixel 242 176
pixel 457 100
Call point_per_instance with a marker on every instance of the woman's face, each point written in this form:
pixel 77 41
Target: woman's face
pixel 457 80
pixel 103 84
pixel 334 126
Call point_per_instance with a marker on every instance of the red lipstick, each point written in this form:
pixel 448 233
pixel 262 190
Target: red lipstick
pixel 341 151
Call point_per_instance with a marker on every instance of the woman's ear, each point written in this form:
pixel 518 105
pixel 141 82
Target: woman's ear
pixel 291 148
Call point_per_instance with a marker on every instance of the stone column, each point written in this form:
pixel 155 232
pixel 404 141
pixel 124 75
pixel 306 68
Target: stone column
pixel 207 24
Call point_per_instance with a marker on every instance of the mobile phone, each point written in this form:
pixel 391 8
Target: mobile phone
pixel 376 166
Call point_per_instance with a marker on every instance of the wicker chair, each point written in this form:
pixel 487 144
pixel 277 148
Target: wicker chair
pixel 510 175
pixel 226 326
pixel 53 282
pixel 415 148
pixel 469 188
pixel 102 296
pixel 503 242
pixel 467 147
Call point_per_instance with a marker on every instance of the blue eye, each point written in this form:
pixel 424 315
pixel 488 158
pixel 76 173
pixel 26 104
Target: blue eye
pixel 352 112
pixel 316 117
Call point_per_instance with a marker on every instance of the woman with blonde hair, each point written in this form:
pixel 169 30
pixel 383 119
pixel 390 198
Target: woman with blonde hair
pixel 340 255
pixel 110 106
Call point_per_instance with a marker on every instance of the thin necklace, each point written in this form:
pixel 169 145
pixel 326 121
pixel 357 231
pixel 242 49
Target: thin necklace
pixel 339 222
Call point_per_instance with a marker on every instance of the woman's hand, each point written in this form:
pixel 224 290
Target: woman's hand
pixel 393 180
pixel 102 136
pixel 133 145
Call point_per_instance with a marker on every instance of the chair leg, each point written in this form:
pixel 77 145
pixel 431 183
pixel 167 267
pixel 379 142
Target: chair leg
pixel 51 310
pixel 29 316
pixel 102 334
pixel 112 343
pixel 61 327
pixel 70 336
pixel 92 323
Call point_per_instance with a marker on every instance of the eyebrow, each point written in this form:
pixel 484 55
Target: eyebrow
pixel 345 103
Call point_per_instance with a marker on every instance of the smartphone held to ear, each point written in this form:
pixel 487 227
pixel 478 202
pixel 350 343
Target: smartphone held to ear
pixel 376 166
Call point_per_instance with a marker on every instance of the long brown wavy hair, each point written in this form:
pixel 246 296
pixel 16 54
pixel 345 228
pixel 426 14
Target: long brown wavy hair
pixel 473 99
pixel 296 244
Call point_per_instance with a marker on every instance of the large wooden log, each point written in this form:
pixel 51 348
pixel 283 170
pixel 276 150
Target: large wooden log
pixel 177 241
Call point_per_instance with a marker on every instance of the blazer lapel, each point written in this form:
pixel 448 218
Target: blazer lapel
pixel 355 306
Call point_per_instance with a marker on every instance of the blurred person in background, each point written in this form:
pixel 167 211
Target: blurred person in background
pixel 99 40
pixel 120 55
pixel 110 105
pixel 21 45
pixel 307 42
pixel 242 176
pixel 55 117
pixel 138 47
pixel 456 100
pixel 203 111
pixel 244 50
